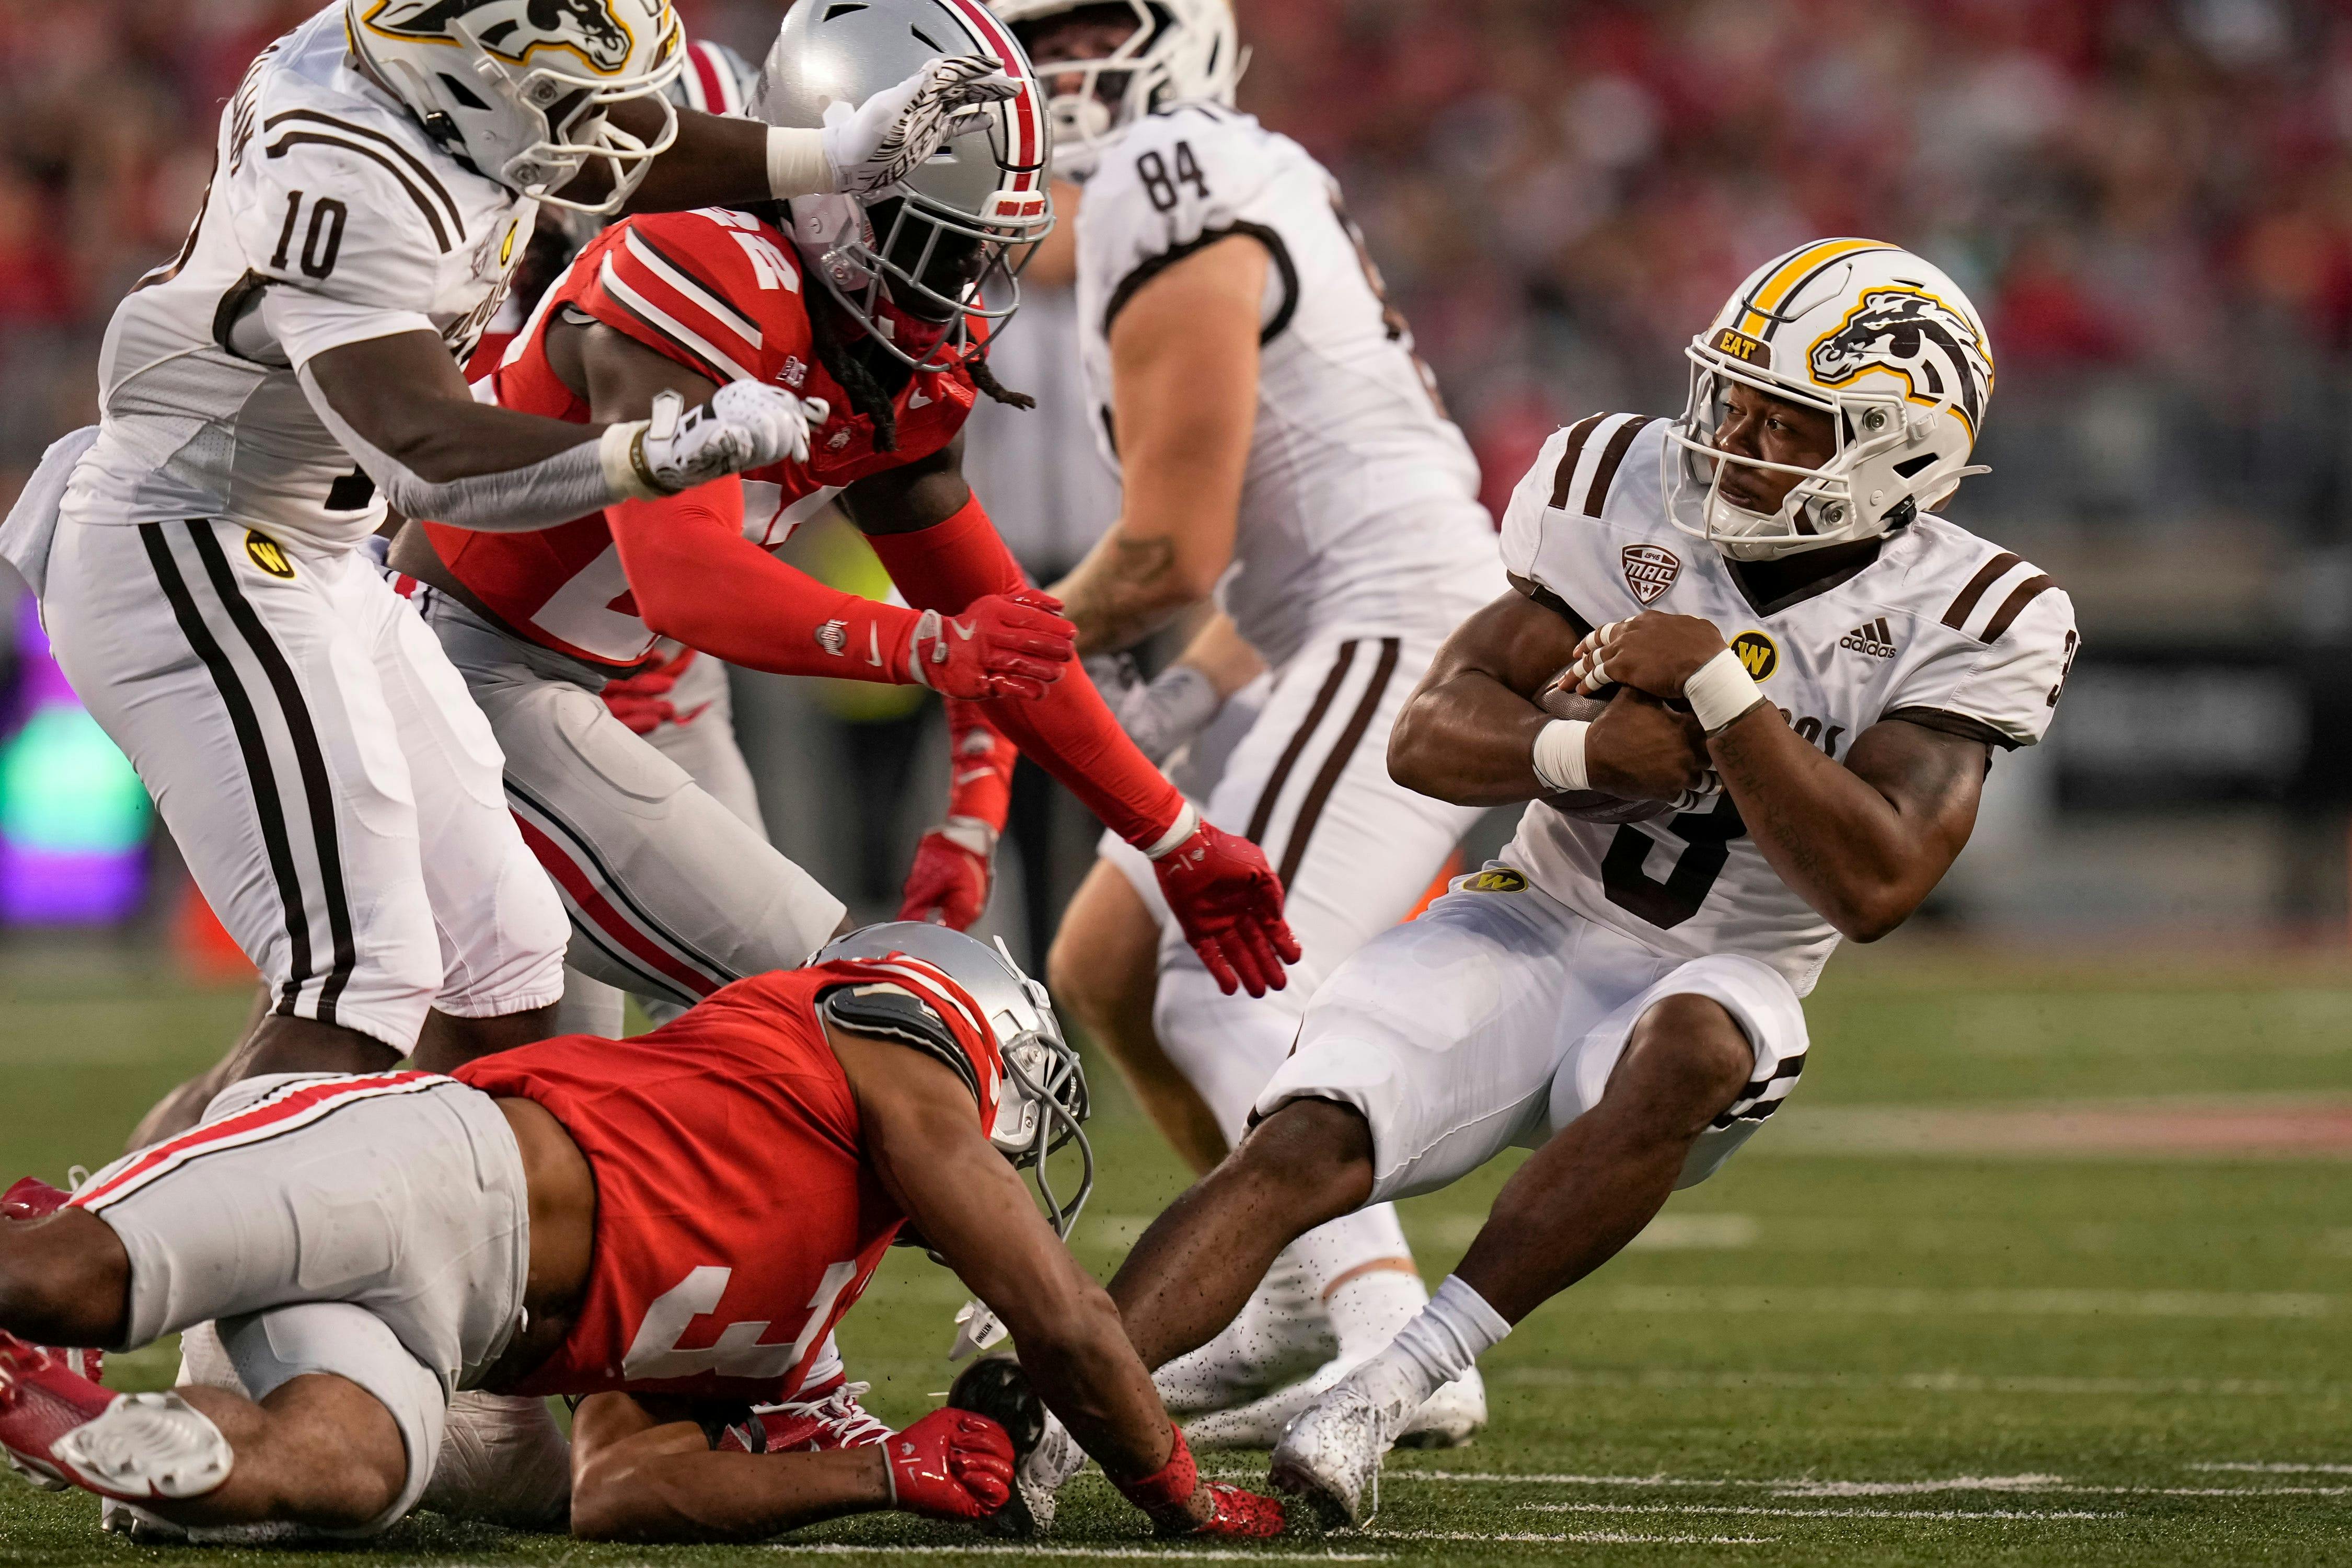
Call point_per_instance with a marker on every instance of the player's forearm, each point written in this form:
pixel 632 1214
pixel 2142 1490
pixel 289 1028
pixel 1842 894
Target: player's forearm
pixel 1128 586
pixel 1080 1359
pixel 1831 835
pixel 695 1494
pixel 1467 738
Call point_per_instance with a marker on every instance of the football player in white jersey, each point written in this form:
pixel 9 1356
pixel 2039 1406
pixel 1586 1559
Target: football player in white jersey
pixel 1283 449
pixel 293 370
pixel 1813 671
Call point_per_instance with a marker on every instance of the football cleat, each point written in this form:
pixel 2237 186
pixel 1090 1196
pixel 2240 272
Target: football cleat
pixel 57 1423
pixel 1331 1457
pixel 1280 1334
pixel 1045 1454
pixel 825 1419
pixel 1451 1417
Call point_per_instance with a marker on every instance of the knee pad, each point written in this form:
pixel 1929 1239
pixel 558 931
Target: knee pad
pixel 271 1349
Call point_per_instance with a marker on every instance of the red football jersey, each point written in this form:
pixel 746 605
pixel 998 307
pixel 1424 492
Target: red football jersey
pixel 722 292
pixel 736 1217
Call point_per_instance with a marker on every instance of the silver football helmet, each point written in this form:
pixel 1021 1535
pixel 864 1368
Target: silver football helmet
pixel 1042 1104
pixel 1181 51
pixel 519 89
pixel 916 265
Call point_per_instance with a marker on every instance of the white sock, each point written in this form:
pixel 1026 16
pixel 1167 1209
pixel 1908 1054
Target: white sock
pixel 1441 1343
pixel 1361 1270
pixel 826 1366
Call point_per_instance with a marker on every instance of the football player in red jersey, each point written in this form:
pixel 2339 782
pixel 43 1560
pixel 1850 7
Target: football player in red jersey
pixel 873 311
pixel 677 1217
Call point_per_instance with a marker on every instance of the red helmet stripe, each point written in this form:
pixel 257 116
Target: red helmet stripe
pixel 1028 140
pixel 714 80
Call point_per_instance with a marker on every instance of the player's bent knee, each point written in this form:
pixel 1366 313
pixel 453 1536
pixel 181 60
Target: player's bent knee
pixel 64 1281
pixel 1317 1152
pixel 1688 1058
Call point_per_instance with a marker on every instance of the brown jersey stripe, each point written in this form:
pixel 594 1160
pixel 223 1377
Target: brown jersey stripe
pixel 1289 758
pixel 1336 763
pixel 1577 434
pixel 1987 575
pixel 2014 605
pixel 1604 474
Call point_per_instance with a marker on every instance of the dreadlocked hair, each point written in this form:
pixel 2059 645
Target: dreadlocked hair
pixel 985 379
pixel 866 394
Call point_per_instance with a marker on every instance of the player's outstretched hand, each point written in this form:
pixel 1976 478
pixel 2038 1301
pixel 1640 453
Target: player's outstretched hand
pixel 951 1464
pixel 1652 652
pixel 949 883
pixel 871 148
pixel 1229 903
pixel 1003 645
pixel 746 425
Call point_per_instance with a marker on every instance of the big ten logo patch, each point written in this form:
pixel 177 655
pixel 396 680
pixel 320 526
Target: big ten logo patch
pixel 1759 655
pixel 268 553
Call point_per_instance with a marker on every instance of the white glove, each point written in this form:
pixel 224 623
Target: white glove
pixel 1160 716
pixel 870 149
pixel 746 425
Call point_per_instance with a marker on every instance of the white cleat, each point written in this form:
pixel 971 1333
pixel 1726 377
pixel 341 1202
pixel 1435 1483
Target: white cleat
pixel 1038 1481
pixel 1331 1457
pixel 1279 1334
pixel 1451 1417
pixel 147 1445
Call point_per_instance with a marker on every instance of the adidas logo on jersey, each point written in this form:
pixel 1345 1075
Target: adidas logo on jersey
pixel 1874 639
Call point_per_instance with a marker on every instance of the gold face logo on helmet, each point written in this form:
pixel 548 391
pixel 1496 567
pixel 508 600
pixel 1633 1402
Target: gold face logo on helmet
pixel 513 30
pixel 1909 333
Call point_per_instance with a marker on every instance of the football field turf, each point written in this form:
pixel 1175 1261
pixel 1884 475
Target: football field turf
pixel 2041 1266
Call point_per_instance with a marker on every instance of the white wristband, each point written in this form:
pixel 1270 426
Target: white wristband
pixel 1559 754
pixel 616 449
pixel 1720 691
pixel 796 164
pixel 1188 823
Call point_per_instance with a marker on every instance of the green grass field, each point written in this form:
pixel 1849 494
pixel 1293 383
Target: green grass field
pixel 1844 1349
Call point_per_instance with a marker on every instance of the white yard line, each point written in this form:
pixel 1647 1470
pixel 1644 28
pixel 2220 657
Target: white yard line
pixel 1149 1554
pixel 1914 1382
pixel 1878 1301
pixel 2282 1469
pixel 1701 1507
pixel 1579 1538
pixel 1807 1487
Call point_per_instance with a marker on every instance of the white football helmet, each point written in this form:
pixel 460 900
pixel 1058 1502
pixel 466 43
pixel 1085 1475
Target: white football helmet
pixel 1042 1104
pixel 518 88
pixel 1880 339
pixel 1181 51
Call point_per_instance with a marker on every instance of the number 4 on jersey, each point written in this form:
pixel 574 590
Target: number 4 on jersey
pixel 655 1354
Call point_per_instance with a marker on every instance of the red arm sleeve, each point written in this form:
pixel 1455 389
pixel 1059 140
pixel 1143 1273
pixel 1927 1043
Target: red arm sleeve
pixel 1069 730
pixel 696 578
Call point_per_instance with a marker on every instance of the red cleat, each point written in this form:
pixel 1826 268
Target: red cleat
pixel 31 1199
pixel 58 1428
pixel 825 1419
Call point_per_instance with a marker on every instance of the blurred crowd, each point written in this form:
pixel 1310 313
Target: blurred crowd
pixel 2151 199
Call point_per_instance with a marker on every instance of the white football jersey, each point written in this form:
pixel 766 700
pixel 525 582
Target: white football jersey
pixel 1360 510
pixel 1942 629
pixel 332 217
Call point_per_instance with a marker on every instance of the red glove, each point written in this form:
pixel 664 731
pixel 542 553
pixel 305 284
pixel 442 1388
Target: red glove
pixel 949 882
pixel 951 1464
pixel 1229 903
pixel 1172 1494
pixel 642 700
pixel 1003 645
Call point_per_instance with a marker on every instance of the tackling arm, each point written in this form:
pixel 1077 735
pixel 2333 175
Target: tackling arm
pixel 1185 366
pixel 642 1471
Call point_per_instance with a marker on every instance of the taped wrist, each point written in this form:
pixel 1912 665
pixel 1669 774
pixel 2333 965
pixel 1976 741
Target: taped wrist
pixel 1559 754
pixel 621 449
pixel 797 165
pixel 1720 691
pixel 573 483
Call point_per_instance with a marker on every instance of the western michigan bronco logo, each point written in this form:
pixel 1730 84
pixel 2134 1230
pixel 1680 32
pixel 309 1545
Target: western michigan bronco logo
pixel 1757 655
pixel 512 29
pixel 267 553
pixel 1916 336
pixel 1499 879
